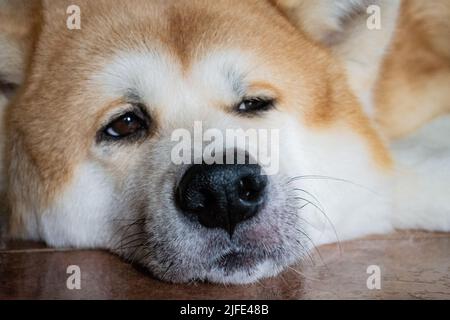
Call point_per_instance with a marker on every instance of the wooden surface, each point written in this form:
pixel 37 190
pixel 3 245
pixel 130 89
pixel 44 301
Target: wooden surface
pixel 414 265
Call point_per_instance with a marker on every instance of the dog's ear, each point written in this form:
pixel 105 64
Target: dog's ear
pixel 18 19
pixel 358 32
pixel 332 22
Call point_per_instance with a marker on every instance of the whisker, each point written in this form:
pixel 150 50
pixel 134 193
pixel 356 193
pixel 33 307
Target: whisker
pixel 167 271
pixel 326 217
pixel 122 242
pixel 308 237
pixel 319 177
pixel 302 274
pixel 310 194
pixel 315 248
pixel 133 255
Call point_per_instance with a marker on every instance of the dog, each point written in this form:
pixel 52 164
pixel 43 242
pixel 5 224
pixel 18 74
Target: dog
pixel 357 91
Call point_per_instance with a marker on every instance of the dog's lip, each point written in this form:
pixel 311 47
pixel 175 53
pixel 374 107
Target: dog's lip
pixel 236 260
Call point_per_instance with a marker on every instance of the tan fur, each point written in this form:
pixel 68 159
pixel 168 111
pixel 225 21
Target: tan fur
pixel 410 80
pixel 414 84
pixel 18 27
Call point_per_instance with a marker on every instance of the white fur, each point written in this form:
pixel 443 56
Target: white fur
pixel 263 270
pixel 351 195
pixel 422 193
pixel 183 97
pixel 82 215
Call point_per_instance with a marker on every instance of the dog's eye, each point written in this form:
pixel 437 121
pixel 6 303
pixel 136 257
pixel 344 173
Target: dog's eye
pixel 255 105
pixel 125 126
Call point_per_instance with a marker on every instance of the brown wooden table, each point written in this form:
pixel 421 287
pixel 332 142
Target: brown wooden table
pixel 414 265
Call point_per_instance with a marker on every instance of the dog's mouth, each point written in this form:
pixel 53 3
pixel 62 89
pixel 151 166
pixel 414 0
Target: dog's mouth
pixel 217 258
pixel 234 267
pixel 240 267
pixel 236 261
pixel 178 244
pixel 253 253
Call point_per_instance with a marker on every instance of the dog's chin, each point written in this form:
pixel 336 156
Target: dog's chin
pixel 234 269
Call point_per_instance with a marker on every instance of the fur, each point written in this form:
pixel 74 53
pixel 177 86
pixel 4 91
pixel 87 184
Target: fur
pixel 359 150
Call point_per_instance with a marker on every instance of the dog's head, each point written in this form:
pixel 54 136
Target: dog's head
pixel 118 138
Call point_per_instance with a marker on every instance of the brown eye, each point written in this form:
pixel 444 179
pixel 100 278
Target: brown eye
pixel 125 125
pixel 255 105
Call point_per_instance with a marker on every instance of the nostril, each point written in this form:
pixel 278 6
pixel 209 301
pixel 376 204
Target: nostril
pixel 208 200
pixel 197 207
pixel 192 201
pixel 251 189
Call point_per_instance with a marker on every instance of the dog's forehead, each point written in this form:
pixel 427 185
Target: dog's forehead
pixel 130 48
pixel 190 51
pixel 158 79
pixel 185 31
pixel 186 27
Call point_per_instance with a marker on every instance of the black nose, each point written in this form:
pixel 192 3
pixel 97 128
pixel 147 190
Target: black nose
pixel 222 195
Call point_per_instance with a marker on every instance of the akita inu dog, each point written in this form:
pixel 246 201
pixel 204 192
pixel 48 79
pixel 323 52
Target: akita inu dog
pixel 357 91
